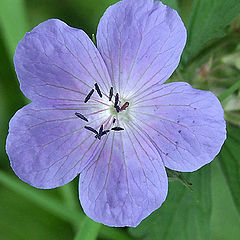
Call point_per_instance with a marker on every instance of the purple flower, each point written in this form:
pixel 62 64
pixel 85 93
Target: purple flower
pixel 104 112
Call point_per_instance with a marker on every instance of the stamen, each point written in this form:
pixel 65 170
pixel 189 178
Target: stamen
pixel 111 94
pixel 117 108
pixel 89 95
pixel 125 105
pixel 116 100
pixel 91 129
pixel 117 129
pixel 114 120
pixel 99 135
pixel 105 132
pixel 81 116
pixel 105 123
pixel 98 89
pixel 100 130
pixel 99 111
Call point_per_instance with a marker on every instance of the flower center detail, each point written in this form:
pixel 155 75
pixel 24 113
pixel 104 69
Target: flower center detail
pixel 115 108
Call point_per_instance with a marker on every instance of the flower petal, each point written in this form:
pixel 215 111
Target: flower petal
pixel 47 146
pixel 141 43
pixel 55 62
pixel 126 182
pixel 186 125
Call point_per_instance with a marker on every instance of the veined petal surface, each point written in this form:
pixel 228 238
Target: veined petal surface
pixel 186 125
pixel 122 174
pixel 126 180
pixel 47 146
pixel 141 43
pixel 56 63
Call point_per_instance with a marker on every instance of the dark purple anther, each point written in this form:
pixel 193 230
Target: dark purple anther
pixel 98 89
pixel 125 105
pixel 91 129
pixel 81 116
pixel 117 108
pixel 117 129
pixel 101 133
pixel 89 95
pixel 111 94
pixel 100 130
pixel 105 132
pixel 116 100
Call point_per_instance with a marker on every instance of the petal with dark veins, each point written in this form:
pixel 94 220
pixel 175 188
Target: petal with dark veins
pixel 186 125
pixel 57 63
pixel 47 147
pixel 126 181
pixel 141 43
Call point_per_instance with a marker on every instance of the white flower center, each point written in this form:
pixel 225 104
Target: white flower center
pixel 106 112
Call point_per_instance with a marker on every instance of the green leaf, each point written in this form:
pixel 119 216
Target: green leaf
pixel 40 198
pixel 230 91
pixel 185 215
pixel 232 59
pixel 11 98
pixel 13 23
pixel 230 162
pixel 57 208
pixel 178 176
pixel 115 233
pixel 92 8
pixel 88 230
pixel 232 117
pixel 70 194
pixel 208 20
pixel 171 3
pixel 225 220
pixel 21 219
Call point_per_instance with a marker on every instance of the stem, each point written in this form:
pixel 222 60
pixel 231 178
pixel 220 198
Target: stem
pixel 229 91
pixel 70 214
pixel 69 196
pixel 39 198
pixel 114 233
pixel 88 230
pixel 70 201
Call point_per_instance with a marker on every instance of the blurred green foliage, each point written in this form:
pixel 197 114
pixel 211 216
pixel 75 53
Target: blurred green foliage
pixel 210 61
pixel 185 214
